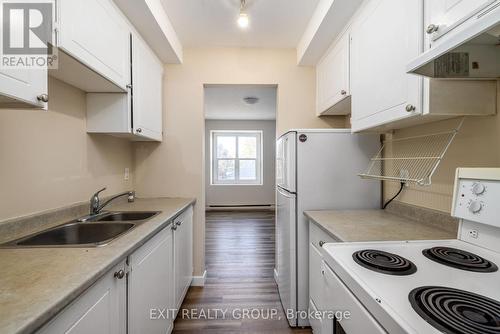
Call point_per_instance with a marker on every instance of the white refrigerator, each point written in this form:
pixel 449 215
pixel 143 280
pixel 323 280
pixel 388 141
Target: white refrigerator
pixel 315 170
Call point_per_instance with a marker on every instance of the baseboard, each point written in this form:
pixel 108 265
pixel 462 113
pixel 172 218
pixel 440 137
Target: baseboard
pixel 199 280
pixel 241 208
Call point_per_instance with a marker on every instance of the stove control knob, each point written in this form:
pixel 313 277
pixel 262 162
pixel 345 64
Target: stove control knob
pixel 478 188
pixel 475 206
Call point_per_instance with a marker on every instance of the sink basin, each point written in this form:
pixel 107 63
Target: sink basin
pixel 127 216
pixel 76 234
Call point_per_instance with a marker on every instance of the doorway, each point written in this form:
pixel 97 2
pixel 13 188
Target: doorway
pixel 240 149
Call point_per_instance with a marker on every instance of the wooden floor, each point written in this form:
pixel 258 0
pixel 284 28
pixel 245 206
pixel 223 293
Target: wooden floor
pixel 239 262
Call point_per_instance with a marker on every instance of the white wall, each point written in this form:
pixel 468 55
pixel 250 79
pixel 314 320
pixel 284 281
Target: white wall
pixel 245 194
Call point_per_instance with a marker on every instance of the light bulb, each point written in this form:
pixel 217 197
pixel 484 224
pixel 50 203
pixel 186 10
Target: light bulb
pixel 243 20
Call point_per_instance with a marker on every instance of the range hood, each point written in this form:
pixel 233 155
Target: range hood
pixel 473 51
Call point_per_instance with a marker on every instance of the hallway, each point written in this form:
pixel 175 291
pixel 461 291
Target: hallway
pixel 239 261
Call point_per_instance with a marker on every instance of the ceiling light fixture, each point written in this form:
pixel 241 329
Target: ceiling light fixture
pixel 243 20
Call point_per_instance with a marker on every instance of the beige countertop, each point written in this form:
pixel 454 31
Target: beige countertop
pixel 37 283
pixel 377 225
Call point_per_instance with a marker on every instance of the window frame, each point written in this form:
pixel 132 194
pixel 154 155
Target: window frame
pixel 258 159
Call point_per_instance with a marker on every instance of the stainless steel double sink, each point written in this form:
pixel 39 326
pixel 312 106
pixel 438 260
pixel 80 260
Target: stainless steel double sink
pixel 93 232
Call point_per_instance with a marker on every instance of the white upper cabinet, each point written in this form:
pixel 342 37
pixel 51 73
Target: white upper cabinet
pixel 22 88
pixel 95 34
pixel 442 16
pixel 147 78
pixel 137 114
pixel 332 75
pixel 385 37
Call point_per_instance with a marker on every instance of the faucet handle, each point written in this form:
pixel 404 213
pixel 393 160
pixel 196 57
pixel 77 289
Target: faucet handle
pixel 100 191
pixel 94 202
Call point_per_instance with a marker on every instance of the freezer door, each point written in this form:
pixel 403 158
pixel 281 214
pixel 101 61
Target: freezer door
pixel 286 161
pixel 286 251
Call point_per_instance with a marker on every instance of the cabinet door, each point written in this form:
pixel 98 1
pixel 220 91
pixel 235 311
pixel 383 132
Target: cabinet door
pixel 316 286
pixel 183 255
pixel 385 37
pixel 147 78
pixel 187 227
pixel 150 286
pixel 333 76
pixel 94 33
pixel 21 88
pixel 99 310
pixel 445 15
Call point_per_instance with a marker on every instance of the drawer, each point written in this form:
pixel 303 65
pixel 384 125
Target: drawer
pixel 339 298
pixel 317 236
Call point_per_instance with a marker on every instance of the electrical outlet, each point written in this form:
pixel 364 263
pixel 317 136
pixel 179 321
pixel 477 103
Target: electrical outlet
pixel 404 174
pixel 126 175
pixel 473 234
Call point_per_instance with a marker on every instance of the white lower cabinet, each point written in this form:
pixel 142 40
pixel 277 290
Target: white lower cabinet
pixel 183 255
pixel 151 286
pixel 160 275
pixel 99 310
pixel 329 298
pixel 320 319
pixel 141 294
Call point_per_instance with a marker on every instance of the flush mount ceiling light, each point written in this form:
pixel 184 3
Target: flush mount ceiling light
pixel 243 20
pixel 251 100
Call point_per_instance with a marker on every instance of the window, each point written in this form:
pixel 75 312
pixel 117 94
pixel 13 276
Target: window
pixel 236 157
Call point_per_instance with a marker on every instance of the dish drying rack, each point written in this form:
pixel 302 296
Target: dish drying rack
pixel 411 159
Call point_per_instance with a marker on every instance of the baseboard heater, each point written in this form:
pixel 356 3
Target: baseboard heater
pixel 240 207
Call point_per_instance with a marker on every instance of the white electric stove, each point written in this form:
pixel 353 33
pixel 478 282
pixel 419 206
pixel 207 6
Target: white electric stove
pixel 443 286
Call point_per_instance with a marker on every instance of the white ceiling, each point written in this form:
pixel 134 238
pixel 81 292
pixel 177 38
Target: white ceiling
pixel 225 102
pixel 212 23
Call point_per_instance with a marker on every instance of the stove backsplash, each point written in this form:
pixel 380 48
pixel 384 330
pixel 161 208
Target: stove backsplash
pixel 427 216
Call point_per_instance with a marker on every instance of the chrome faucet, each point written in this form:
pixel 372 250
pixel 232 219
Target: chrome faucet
pixel 95 203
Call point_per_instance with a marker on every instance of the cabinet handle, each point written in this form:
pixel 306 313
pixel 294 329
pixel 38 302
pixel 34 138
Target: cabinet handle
pixel 119 274
pixel 321 243
pixel 343 92
pixel 179 223
pixel 174 227
pixel 139 130
pixel 410 108
pixel 43 98
pixel 432 28
pixel 129 86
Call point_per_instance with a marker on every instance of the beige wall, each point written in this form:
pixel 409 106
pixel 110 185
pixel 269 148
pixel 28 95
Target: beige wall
pixel 48 160
pixel 476 145
pixel 176 166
